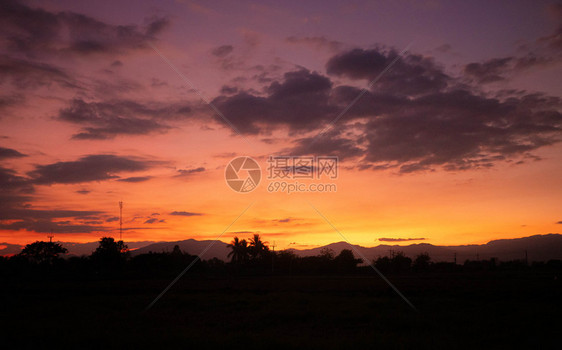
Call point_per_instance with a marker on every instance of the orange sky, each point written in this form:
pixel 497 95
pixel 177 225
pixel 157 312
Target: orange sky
pixel 518 195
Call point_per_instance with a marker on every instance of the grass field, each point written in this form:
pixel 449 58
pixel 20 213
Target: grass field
pixel 491 310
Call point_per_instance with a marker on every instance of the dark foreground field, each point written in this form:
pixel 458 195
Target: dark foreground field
pixel 491 310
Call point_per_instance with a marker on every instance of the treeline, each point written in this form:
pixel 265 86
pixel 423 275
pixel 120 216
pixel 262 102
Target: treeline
pixel 252 257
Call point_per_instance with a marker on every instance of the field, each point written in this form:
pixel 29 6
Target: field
pixel 491 309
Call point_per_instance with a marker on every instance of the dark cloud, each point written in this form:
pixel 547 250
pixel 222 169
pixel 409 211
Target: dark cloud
pixel 444 48
pixel 189 172
pixel 25 74
pixel 332 144
pixel 184 213
pixel 89 168
pixel 156 25
pixel 112 219
pixel 559 222
pixel 317 42
pixel 415 118
pixel 15 191
pixel 410 75
pixel 42 226
pixel 222 51
pixel 401 239
pixel 135 179
pixel 229 90
pixel 82 191
pixel 34 30
pixel 490 70
pixel 28 213
pixel 498 69
pixel 16 213
pixel 460 130
pixel 105 120
pixel 6 153
pixel 44 220
pixel 554 40
pixel 151 221
pixel 299 101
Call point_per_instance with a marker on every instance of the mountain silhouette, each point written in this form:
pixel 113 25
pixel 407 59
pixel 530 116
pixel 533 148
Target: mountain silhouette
pixel 536 248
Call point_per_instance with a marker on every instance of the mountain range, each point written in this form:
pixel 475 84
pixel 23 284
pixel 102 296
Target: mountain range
pixel 534 248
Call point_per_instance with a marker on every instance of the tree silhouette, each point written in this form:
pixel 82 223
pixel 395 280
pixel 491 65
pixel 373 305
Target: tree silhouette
pixel 421 262
pixel 110 254
pixel 239 253
pixel 346 262
pixel 42 252
pixel 258 248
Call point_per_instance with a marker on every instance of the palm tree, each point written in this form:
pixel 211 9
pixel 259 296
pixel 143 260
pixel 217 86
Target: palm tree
pixel 258 248
pixel 239 251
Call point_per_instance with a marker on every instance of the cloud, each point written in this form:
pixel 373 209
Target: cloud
pixel 184 213
pixel 135 179
pixel 299 101
pixel 410 75
pixel 222 51
pixel 41 225
pixel 316 42
pixel 89 168
pixel 82 191
pixel 332 143
pixel 189 172
pixel 460 130
pixel 15 190
pixel 554 40
pixel 559 222
pixel 499 69
pixel 112 219
pixel 151 221
pixel 444 48
pixel 25 74
pixel 401 239
pixel 17 214
pixel 105 120
pixel 6 153
pixel 34 30
pixel 416 118
pixel 489 71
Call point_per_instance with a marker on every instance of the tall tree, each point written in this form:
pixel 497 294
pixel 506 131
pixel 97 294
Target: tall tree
pixel 43 252
pixel 257 247
pixel 239 253
pixel 110 253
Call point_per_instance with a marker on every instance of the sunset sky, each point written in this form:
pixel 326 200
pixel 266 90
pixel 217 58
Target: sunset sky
pixel 107 101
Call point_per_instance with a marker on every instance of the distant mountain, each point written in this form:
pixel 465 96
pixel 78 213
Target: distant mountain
pixel 79 249
pixel 8 249
pixel 537 248
pixel 191 246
